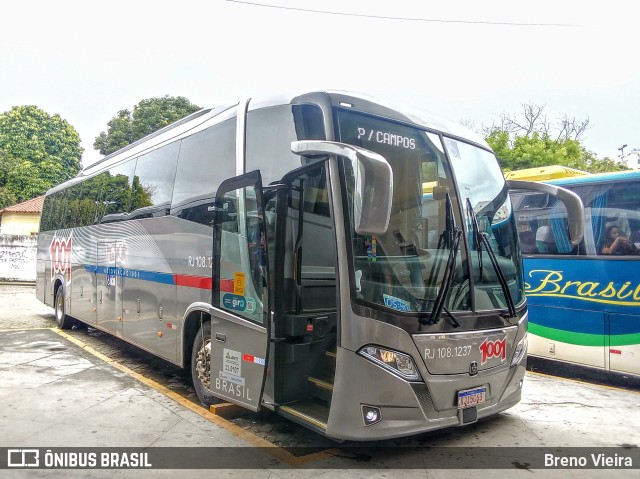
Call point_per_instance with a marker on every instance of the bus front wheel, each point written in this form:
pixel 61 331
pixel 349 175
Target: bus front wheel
pixel 201 365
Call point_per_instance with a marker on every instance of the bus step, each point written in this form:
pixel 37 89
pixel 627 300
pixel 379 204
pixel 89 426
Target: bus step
pixel 328 362
pixel 320 388
pixel 309 414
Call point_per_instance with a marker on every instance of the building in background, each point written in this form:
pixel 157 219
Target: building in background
pixel 22 219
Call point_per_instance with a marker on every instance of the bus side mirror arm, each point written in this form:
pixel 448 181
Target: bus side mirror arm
pixel 573 203
pixel 373 182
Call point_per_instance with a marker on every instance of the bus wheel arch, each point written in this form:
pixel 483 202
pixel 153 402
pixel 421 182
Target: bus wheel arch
pixel 197 343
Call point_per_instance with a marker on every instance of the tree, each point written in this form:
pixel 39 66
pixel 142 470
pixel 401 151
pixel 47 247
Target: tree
pixel 530 140
pixel 147 117
pixel 38 151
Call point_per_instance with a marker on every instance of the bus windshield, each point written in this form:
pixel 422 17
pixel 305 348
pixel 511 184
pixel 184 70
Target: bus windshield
pixel 405 268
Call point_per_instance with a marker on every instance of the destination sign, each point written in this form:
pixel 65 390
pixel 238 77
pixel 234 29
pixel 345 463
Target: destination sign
pixel 386 138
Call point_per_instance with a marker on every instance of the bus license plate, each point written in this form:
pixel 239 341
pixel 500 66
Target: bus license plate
pixel 471 397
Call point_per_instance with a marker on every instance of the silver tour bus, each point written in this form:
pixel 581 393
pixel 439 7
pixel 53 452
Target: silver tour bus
pixel 350 265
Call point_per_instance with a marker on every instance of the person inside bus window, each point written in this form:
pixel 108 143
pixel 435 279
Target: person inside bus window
pixel 616 243
pixel 545 241
pixel 528 242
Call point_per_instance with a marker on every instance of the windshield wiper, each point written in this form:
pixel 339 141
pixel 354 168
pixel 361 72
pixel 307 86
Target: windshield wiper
pixel 481 240
pixel 455 233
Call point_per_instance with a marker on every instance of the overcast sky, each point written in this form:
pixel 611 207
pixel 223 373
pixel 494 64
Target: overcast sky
pixel 464 59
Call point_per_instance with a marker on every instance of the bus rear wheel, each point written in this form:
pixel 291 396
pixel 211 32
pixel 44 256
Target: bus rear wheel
pixel 201 365
pixel 63 321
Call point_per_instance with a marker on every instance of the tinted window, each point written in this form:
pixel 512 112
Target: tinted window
pixel 611 210
pixel 117 191
pixel 206 160
pixel 90 200
pixel 46 219
pixel 54 213
pixel 73 206
pixel 152 184
pixel 270 132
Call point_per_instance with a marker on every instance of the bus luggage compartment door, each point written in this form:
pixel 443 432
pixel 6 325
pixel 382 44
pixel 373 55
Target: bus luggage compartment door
pixel 624 350
pixel 108 289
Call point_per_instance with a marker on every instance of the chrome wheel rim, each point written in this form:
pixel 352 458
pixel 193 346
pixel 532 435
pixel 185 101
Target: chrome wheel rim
pixel 59 307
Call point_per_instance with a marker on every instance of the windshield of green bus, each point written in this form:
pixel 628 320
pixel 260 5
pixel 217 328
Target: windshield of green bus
pixel 404 268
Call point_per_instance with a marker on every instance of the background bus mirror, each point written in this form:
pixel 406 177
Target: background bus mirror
pixel 572 202
pixel 373 182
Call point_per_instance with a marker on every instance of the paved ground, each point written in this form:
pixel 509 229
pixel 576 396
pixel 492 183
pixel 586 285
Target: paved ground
pixel 60 391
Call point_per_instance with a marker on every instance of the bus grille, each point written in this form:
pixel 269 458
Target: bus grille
pixel 426 403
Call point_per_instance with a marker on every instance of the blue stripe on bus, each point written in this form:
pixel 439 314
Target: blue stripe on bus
pixel 155 277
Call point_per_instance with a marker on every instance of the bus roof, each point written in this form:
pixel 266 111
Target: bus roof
pixel 185 126
pixel 598 178
pixel 543 173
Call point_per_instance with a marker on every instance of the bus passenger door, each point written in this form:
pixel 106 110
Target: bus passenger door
pixel 239 317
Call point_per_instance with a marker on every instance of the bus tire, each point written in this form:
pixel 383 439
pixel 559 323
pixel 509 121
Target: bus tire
pixel 201 365
pixel 62 319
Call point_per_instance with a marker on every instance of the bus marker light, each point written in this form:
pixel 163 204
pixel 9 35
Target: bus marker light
pixel 615 351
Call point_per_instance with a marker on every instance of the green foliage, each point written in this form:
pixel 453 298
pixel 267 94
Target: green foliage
pixel 37 151
pixel 591 163
pixel 6 198
pixel 147 117
pixel 527 142
pixel 535 150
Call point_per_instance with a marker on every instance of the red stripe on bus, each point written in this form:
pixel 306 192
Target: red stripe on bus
pixel 201 282
pixel 615 351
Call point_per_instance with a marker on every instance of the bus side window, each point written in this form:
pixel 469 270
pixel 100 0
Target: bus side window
pixel 153 182
pixel 206 159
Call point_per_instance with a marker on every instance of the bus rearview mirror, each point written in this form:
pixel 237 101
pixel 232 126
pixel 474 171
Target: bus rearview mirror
pixel 373 182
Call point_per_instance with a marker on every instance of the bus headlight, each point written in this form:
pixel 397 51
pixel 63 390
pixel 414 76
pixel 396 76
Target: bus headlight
pixel 521 350
pixel 398 363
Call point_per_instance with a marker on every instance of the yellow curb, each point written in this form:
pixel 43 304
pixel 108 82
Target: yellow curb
pixel 25 329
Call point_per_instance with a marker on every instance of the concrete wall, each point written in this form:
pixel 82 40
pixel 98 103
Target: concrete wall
pixel 18 258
